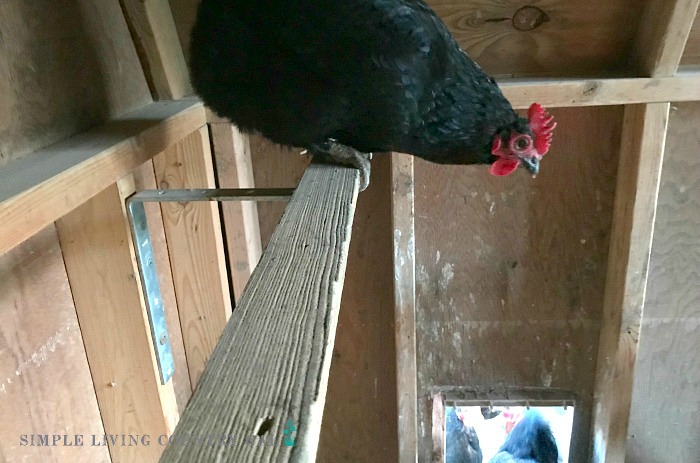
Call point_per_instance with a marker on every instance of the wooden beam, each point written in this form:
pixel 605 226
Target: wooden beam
pixel 47 184
pixel 663 33
pixel 601 92
pixel 155 36
pixel 405 304
pixel 641 155
pixel 193 232
pixel 270 368
pixel 98 253
pixel 234 168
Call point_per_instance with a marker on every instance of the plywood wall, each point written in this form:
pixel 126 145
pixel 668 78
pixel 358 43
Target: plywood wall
pixel 45 384
pixel 510 271
pixel 665 413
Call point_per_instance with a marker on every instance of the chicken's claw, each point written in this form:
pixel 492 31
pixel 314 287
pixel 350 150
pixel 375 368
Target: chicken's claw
pixel 348 156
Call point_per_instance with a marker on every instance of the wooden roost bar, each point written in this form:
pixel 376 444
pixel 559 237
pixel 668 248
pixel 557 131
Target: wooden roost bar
pixel 581 283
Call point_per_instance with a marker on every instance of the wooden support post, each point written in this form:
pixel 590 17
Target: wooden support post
pixel 98 253
pixel 641 153
pixel 269 371
pixel 193 232
pixel 659 48
pixel 405 304
pixel 234 169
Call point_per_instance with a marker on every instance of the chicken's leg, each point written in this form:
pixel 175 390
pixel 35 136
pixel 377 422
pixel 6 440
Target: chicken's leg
pixel 343 154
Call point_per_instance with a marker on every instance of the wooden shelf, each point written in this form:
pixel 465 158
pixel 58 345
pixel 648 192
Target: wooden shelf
pixel 47 184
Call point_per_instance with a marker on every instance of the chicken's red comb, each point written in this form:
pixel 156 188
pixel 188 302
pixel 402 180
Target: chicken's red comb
pixel 542 125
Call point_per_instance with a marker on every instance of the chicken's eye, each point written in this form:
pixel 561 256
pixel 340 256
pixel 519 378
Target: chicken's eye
pixel 521 143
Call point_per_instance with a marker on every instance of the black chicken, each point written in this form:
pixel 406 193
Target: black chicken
pixel 461 441
pixel 530 441
pixel 352 77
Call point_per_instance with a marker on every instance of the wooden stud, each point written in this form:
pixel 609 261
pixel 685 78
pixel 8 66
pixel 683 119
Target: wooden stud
pixel 234 169
pixel 659 46
pixel 271 366
pixel 193 231
pixel 98 253
pixel 154 33
pixel 641 155
pixel 405 304
pixel 601 92
pixel 47 184
pixel 662 35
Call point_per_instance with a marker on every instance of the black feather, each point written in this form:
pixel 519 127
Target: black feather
pixel 376 75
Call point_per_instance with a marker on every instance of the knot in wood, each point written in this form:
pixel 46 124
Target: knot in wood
pixel 528 18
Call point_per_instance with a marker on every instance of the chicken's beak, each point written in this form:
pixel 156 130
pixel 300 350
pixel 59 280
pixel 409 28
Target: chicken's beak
pixel 532 164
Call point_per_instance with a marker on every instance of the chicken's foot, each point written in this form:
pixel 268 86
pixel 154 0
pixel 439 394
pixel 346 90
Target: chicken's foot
pixel 346 155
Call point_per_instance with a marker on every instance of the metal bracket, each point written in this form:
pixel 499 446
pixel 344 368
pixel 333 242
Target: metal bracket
pixel 146 262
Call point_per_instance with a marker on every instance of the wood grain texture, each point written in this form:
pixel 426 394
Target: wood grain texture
pixel 662 36
pixel 273 359
pixel 45 384
pixel 601 92
pixel 666 394
pixel 196 256
pixel 144 178
pixel 234 169
pixel 579 38
pixel 154 33
pixel 101 268
pixel 65 66
pixel 43 186
pixel 359 422
pixel 641 154
pixel 510 271
pixel 402 212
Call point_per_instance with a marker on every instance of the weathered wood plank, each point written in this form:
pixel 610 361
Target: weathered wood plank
pixel 47 184
pixel 154 33
pixel 641 154
pixel 663 33
pixel 271 365
pixel 234 169
pixel 405 303
pixel 193 231
pixel 601 92
pixel 98 253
